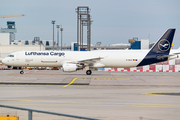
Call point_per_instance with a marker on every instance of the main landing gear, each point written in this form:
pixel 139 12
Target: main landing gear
pixel 88 72
pixel 22 72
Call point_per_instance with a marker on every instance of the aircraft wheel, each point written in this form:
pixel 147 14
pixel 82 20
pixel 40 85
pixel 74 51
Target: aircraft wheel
pixel 88 72
pixel 21 72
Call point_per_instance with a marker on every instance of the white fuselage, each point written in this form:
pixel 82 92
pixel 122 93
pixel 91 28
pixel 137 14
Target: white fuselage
pixel 111 58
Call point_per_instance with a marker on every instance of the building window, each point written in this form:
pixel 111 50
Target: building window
pixel 26 42
pixel 47 43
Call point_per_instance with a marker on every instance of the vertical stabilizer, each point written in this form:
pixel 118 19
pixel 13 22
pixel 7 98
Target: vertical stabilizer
pixel 161 48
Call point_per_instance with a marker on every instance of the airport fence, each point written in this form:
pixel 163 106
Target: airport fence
pixel 30 113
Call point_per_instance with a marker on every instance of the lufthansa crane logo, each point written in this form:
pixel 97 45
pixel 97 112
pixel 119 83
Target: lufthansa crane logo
pixel 164 45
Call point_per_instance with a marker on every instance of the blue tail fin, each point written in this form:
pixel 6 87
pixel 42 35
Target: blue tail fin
pixel 161 48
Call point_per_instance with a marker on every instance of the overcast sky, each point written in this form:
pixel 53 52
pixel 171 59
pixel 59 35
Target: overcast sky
pixel 114 21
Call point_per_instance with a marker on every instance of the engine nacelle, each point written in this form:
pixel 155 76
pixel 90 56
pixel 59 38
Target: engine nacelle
pixel 69 67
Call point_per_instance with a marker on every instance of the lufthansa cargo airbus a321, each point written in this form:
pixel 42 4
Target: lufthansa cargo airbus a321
pixel 71 61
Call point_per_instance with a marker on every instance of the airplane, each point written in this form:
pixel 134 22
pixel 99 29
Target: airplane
pixel 71 61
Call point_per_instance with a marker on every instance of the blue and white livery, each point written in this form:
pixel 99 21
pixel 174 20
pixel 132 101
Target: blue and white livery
pixel 71 61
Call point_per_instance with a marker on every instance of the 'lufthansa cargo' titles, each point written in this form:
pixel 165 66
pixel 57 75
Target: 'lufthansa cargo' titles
pixel 46 53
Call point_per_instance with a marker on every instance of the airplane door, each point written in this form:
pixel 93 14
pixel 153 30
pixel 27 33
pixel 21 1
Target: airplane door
pixel 17 57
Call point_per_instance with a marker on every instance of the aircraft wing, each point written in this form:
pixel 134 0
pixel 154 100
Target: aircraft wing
pixel 91 60
pixel 86 61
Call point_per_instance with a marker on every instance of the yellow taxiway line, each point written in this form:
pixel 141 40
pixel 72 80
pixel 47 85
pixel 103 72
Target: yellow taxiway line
pixel 70 82
pixel 161 93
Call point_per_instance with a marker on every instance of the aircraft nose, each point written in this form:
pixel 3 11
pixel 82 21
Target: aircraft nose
pixel 4 61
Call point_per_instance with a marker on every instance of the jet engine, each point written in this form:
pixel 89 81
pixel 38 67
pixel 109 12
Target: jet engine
pixel 69 67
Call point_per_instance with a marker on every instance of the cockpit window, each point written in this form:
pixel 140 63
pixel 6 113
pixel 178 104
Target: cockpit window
pixel 10 56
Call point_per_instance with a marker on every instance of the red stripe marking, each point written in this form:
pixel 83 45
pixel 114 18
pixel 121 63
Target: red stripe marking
pixel 28 72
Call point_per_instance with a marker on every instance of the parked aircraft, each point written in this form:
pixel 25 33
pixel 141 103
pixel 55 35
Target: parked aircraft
pixel 71 61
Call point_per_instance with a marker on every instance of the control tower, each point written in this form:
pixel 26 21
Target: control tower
pixel 10 29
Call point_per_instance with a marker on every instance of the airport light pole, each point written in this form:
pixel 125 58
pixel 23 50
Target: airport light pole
pixel 53 22
pixel 61 29
pixel 57 26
